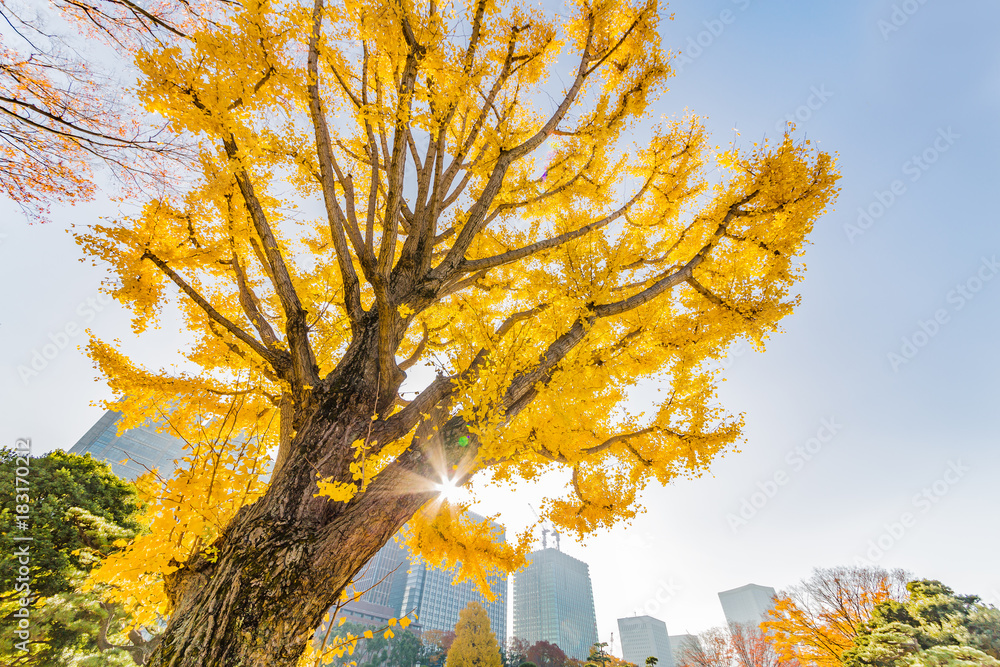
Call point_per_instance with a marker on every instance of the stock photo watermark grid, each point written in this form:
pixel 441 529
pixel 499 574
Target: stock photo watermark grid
pixel 899 15
pixel 816 100
pixel 913 169
pixel 921 503
pixel 42 355
pixel 929 327
pixel 795 459
pixel 697 44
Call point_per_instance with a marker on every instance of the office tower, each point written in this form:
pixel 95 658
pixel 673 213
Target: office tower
pixel 642 637
pixel 381 582
pixel 142 448
pixel 437 599
pixel 554 602
pixel 679 644
pixel 396 583
pixel 747 604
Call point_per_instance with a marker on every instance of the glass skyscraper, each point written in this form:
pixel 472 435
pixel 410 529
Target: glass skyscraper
pixel 142 448
pixel 381 582
pixel 437 598
pixel 396 583
pixel 554 602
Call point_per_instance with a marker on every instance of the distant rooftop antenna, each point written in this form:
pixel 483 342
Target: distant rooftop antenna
pixel 556 533
pixel 545 531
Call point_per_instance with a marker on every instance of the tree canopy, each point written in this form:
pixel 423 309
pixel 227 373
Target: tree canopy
pixel 868 617
pixel 80 513
pixel 821 618
pixel 545 654
pixel 383 187
pixel 78 508
pixel 61 112
pixel 475 644
pixel 932 626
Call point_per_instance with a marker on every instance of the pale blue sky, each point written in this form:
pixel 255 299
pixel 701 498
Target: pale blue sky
pixel 878 100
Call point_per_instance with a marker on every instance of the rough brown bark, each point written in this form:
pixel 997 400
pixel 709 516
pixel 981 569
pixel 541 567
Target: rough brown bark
pixel 283 561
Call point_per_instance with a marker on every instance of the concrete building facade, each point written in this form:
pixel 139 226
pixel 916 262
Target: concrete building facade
pixel 747 604
pixel 643 637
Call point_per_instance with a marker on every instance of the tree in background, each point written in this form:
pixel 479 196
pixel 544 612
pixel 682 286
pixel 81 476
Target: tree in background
pixel 80 512
pixel 475 644
pixel 712 649
pixel 369 647
pixel 405 649
pixel 736 645
pixel 820 618
pixel 751 647
pixel 516 652
pixel 932 626
pixel 615 661
pixel 539 259
pixel 437 643
pixel 60 113
pixel 598 655
pixel 651 661
pixel 546 654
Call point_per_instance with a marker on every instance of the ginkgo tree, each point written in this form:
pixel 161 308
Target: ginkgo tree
pixel 472 188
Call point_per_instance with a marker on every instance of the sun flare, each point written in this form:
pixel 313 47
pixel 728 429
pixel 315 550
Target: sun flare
pixel 448 491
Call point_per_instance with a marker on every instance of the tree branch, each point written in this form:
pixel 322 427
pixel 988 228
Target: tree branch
pixel 520 253
pixel 679 276
pixel 140 649
pixel 303 361
pixel 324 152
pixel 278 359
pixel 415 357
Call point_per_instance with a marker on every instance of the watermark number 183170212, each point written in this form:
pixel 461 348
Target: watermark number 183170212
pixel 22 543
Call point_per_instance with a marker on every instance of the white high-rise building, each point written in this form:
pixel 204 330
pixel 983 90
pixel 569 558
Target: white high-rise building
pixel 747 604
pixel 643 637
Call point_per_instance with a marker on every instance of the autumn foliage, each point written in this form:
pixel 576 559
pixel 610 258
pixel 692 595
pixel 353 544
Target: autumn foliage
pixel 545 654
pixel 62 114
pixel 821 618
pixel 383 188
pixel 475 644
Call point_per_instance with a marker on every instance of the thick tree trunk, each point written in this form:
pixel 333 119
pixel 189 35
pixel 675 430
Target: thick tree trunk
pixel 284 561
pixel 271 584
